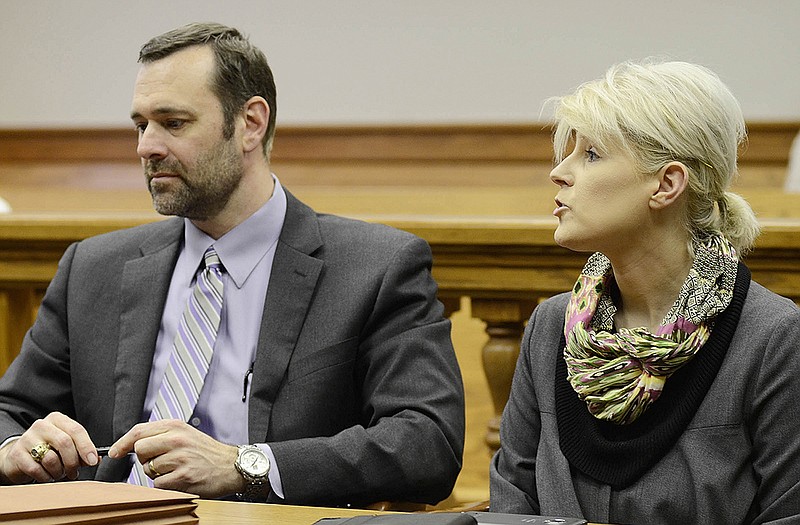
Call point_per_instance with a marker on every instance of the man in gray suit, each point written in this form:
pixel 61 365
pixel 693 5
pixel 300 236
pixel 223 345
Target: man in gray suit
pixel 333 379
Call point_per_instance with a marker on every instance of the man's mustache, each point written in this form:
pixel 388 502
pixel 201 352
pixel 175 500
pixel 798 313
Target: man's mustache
pixel 162 166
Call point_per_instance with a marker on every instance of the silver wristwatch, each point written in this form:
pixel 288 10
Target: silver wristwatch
pixel 253 464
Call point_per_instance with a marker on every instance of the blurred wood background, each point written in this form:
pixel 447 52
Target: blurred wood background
pixel 480 195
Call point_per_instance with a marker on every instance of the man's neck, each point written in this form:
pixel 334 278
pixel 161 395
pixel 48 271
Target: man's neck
pixel 254 190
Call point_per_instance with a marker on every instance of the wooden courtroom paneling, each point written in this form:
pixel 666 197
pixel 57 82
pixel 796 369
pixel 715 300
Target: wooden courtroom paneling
pixel 768 142
pixel 72 164
pixel 382 155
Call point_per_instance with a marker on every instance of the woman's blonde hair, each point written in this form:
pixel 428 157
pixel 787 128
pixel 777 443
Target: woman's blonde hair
pixel 660 112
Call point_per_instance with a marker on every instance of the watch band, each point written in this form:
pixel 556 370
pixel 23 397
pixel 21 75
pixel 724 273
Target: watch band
pixel 255 492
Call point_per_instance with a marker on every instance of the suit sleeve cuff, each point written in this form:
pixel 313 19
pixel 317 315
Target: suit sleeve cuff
pixel 9 440
pixel 274 473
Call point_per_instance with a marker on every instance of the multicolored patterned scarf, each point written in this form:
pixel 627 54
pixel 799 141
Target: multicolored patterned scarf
pixel 620 374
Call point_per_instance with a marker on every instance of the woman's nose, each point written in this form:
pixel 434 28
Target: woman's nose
pixel 560 174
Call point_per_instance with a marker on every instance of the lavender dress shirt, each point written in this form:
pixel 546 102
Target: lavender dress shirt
pixel 247 253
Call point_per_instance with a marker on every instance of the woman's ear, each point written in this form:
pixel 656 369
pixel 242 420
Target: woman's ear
pixel 256 119
pixel 672 181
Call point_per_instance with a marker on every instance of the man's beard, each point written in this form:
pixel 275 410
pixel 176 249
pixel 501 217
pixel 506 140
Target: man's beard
pixel 198 193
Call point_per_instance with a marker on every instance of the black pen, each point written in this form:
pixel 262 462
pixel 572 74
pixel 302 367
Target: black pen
pixel 246 377
pixel 103 451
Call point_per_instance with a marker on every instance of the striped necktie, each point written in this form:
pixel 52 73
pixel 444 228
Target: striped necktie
pixel 191 353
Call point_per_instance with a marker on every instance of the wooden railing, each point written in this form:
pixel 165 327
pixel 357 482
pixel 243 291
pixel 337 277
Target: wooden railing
pixel 505 266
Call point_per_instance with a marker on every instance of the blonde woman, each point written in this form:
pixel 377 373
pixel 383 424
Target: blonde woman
pixel 664 388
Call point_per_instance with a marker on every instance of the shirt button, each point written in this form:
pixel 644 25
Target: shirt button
pixel 195 421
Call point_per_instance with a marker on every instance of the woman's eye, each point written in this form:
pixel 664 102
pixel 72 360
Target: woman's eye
pixel 591 154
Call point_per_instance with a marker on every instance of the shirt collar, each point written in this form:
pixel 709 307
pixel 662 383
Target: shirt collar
pixel 236 249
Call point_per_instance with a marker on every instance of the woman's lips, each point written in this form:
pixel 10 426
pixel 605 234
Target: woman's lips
pixel 560 208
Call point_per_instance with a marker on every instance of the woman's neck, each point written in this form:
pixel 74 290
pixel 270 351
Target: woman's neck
pixel 648 283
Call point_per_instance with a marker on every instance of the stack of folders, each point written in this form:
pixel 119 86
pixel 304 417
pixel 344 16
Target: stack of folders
pixel 94 502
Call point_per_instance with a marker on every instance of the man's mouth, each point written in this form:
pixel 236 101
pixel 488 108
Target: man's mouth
pixel 161 175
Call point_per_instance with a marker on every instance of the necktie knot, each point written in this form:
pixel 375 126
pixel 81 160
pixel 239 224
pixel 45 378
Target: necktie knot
pixel 211 260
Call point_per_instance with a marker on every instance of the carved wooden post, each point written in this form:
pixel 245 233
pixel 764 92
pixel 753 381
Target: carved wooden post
pixel 505 322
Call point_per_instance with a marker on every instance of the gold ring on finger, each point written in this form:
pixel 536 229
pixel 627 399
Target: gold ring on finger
pixel 152 469
pixel 39 450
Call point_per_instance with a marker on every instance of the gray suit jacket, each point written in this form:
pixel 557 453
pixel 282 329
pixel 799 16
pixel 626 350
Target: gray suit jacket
pixel 737 462
pixel 355 386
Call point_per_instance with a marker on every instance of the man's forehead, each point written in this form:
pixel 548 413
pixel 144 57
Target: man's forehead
pixel 176 82
pixel 192 66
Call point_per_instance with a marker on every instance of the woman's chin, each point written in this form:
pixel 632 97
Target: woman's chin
pixel 563 239
pixel 570 242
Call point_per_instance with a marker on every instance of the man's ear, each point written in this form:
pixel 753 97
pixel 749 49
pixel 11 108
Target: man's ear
pixel 256 120
pixel 672 181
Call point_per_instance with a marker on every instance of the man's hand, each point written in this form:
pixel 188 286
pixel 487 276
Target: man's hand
pixel 183 458
pixel 70 446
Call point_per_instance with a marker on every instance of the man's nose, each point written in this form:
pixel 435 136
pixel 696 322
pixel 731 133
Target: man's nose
pixel 151 145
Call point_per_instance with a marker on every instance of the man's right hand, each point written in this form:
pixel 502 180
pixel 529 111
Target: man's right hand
pixel 70 448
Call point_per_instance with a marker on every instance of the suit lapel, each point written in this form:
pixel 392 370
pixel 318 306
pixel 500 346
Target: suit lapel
pixel 143 289
pixel 291 288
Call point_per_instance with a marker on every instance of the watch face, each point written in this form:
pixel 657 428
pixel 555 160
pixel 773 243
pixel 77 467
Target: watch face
pixel 254 462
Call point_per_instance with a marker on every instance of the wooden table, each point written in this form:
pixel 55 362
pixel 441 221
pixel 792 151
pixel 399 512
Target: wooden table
pixel 213 512
pixel 230 512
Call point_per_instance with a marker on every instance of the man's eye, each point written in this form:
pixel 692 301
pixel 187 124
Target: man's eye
pixel 175 123
pixel 140 127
